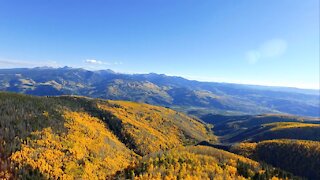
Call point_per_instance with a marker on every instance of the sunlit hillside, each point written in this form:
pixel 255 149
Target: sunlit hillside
pixel 77 137
pixel 152 128
pixel 200 162
pixel 71 137
pixel 159 90
pixel 87 149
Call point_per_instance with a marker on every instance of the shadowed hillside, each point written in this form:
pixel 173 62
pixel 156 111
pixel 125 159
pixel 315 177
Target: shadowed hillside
pixel 264 127
pixel 285 130
pixel 297 156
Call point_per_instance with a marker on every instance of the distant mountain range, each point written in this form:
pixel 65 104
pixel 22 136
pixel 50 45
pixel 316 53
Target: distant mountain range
pixel 194 97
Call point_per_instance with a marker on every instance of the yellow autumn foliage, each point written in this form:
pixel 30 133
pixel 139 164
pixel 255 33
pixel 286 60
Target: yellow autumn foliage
pixel 87 150
pixel 154 128
pixel 192 162
pixel 288 125
pixel 72 137
pixel 244 149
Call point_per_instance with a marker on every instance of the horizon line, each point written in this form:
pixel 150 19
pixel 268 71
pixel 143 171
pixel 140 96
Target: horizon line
pixel 190 78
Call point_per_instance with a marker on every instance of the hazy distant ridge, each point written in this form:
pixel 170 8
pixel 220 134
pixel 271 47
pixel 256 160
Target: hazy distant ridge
pixel 191 96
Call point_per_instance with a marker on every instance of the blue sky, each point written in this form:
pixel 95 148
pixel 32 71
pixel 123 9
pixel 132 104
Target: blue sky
pixel 268 42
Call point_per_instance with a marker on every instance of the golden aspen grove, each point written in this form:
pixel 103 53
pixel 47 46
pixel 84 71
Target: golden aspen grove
pixel 73 137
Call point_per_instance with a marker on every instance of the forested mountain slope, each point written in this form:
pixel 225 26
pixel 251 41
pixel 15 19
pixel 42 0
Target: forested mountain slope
pixel 193 97
pixel 200 162
pixel 282 130
pixel 263 127
pixel 79 137
pixel 297 156
pixel 71 137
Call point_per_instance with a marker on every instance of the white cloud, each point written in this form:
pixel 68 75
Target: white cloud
pixel 270 49
pixel 94 61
